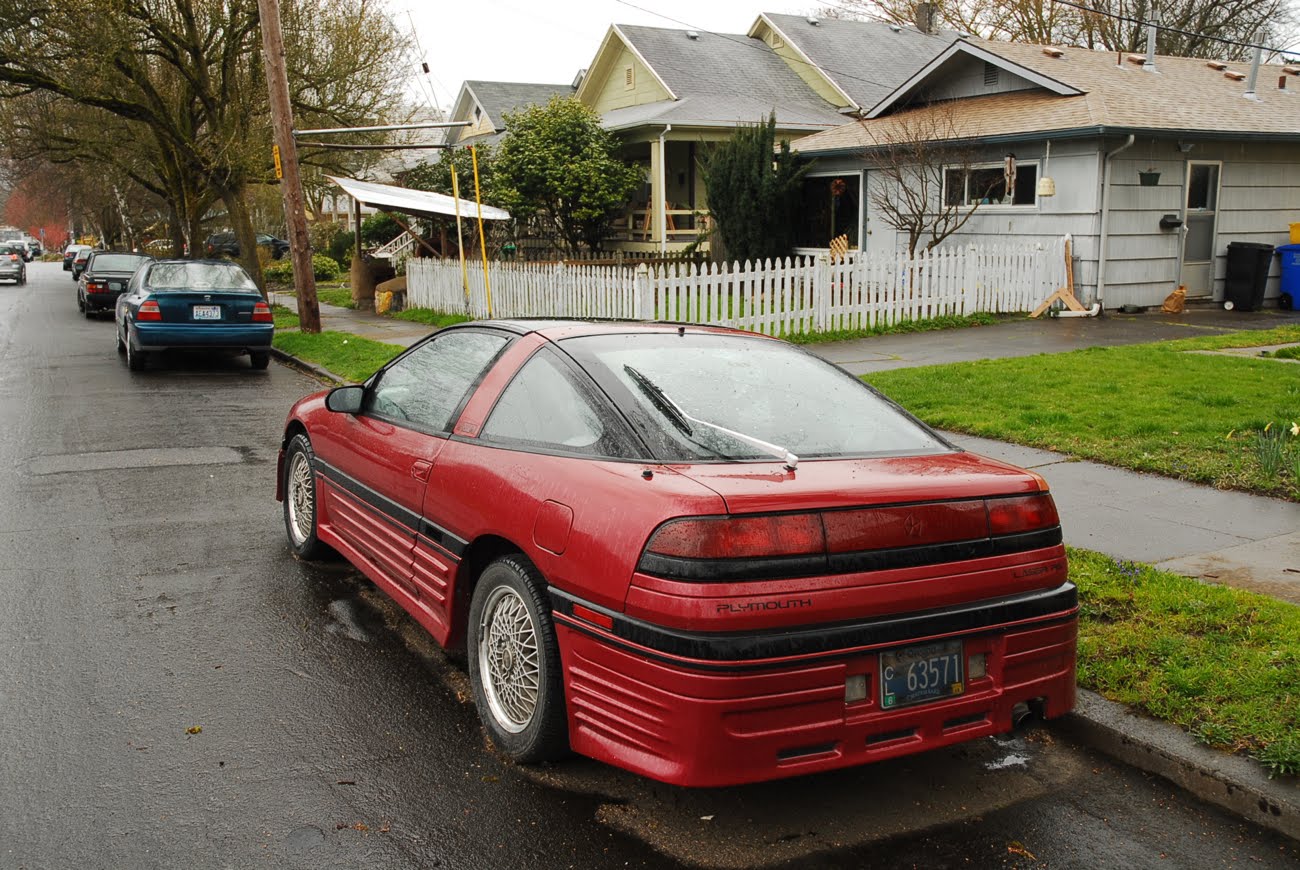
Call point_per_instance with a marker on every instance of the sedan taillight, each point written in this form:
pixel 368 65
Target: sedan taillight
pixel 148 311
pixel 262 313
pixel 96 286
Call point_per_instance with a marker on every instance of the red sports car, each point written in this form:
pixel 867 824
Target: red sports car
pixel 699 554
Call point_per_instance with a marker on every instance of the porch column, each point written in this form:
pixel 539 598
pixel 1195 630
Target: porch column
pixel 657 192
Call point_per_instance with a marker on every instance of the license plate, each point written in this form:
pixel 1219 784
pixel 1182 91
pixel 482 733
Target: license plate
pixel 207 312
pixel 115 286
pixel 917 674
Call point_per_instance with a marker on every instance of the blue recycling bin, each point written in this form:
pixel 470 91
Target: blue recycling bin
pixel 1290 276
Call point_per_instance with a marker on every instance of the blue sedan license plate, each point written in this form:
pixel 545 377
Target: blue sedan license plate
pixel 207 312
pixel 916 674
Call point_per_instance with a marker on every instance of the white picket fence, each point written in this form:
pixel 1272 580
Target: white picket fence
pixel 784 297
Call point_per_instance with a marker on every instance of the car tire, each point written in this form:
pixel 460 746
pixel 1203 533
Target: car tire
pixel 81 304
pixel 259 359
pixel 300 500
pixel 514 663
pixel 136 359
pixel 22 278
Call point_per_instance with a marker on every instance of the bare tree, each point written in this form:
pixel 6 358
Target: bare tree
pixel 910 155
pixel 1191 28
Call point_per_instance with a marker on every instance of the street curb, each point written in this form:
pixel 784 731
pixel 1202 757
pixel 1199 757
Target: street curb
pixel 319 372
pixel 1232 782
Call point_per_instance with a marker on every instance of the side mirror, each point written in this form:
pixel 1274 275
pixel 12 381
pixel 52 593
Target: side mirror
pixel 345 400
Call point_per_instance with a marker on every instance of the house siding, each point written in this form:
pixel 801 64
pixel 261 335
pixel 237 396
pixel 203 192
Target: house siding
pixel 1259 197
pixel 964 77
pixel 614 94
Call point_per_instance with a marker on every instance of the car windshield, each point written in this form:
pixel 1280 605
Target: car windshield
pixel 118 262
pixel 681 391
pixel 199 276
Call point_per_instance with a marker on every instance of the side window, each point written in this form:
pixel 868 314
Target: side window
pixel 546 406
pixel 426 386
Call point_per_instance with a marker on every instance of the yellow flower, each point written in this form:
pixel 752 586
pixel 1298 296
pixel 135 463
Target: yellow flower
pixel 1266 428
pixel 1295 430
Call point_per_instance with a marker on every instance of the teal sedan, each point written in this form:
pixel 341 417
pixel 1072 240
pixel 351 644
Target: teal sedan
pixel 203 305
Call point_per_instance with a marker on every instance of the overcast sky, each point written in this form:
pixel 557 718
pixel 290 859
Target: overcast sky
pixel 545 40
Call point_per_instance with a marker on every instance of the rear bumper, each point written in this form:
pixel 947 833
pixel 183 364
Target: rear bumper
pixel 101 301
pixel 235 336
pixel 720 722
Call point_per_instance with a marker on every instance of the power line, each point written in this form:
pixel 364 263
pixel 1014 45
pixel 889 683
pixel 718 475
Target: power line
pixel 1131 20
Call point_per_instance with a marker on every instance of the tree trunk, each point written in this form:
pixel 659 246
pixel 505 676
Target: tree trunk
pixel 237 211
pixel 175 229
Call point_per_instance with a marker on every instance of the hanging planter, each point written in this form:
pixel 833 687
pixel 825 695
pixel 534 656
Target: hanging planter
pixel 1149 178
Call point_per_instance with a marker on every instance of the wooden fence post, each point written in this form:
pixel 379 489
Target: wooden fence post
pixel 821 291
pixel 642 304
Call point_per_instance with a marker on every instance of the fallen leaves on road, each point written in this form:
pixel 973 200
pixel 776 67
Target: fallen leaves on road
pixel 194 729
pixel 1015 847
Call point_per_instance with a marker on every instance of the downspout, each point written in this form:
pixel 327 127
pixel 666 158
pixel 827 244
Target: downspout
pixel 662 204
pixel 1105 221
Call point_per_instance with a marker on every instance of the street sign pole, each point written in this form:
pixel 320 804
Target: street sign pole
pixel 295 211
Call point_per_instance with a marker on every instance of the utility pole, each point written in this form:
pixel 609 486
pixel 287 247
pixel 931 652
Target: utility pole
pixel 277 81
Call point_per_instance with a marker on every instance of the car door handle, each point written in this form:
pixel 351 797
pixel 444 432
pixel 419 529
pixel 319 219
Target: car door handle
pixel 420 470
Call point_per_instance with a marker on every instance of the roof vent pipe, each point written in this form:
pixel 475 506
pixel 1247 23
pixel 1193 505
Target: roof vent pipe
pixel 925 17
pixel 1254 70
pixel 1152 26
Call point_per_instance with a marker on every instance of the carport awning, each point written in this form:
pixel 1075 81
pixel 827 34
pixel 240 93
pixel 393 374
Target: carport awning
pixel 421 203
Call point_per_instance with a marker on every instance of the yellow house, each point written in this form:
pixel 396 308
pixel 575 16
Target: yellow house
pixel 669 94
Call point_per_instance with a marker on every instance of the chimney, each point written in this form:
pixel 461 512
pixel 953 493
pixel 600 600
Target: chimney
pixel 1150 62
pixel 926 17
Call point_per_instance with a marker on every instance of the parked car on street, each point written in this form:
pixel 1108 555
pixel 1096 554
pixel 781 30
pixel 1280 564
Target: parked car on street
pixel 34 249
pixel 104 278
pixel 227 245
pixel 12 265
pixel 70 253
pixel 79 260
pixel 703 555
pixel 206 305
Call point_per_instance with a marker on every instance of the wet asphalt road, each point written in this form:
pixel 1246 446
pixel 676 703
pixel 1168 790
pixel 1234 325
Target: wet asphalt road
pixel 176 690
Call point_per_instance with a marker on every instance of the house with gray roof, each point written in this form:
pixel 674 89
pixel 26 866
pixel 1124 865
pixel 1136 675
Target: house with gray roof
pixel 1152 166
pixel 485 106
pixel 670 94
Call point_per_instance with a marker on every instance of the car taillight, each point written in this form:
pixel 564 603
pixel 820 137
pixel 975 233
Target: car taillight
pixel 1023 513
pixel 148 311
pixel 740 537
pixel 262 313
pixel 13 256
pixel 96 286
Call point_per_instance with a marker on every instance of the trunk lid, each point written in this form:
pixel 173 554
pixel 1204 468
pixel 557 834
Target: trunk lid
pixel 206 306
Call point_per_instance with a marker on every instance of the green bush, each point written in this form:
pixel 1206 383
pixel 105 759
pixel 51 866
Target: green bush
pixel 281 271
pixel 326 268
pixel 341 246
pixel 379 229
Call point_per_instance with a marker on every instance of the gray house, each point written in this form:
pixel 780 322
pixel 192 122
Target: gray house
pixel 484 106
pixel 1152 168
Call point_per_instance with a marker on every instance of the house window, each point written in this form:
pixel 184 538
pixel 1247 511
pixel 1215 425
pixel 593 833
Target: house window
pixel 830 207
pixel 629 78
pixel 478 113
pixel 986 184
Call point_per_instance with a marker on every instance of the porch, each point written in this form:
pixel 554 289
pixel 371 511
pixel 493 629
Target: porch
pixel 670 211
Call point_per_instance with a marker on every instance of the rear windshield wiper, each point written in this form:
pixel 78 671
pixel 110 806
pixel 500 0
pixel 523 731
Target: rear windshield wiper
pixel 682 420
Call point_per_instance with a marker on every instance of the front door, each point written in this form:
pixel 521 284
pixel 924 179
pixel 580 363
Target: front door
pixel 1200 223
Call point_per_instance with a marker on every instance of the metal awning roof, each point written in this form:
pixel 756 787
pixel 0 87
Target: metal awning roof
pixel 421 203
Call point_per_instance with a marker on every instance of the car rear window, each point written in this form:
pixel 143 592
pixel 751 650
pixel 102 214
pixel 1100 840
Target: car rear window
pixel 755 387
pixel 118 262
pixel 199 276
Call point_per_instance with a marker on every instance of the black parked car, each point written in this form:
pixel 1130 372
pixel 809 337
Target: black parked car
pixel 227 245
pixel 105 277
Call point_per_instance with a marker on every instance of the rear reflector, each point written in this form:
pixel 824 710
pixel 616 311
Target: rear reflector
pixel 594 617
pixel 1025 513
pixel 740 537
pixel 262 313
pixel 909 526
pixel 148 311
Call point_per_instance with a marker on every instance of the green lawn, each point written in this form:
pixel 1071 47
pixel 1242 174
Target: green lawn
pixel 340 297
pixel 429 316
pixel 348 356
pixel 1146 407
pixel 285 318
pixel 1223 663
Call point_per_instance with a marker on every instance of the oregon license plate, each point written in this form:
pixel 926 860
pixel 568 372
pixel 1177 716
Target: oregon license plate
pixel 916 674
pixel 207 312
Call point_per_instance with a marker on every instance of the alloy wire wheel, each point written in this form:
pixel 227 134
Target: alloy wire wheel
pixel 514 662
pixel 508 659
pixel 300 506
